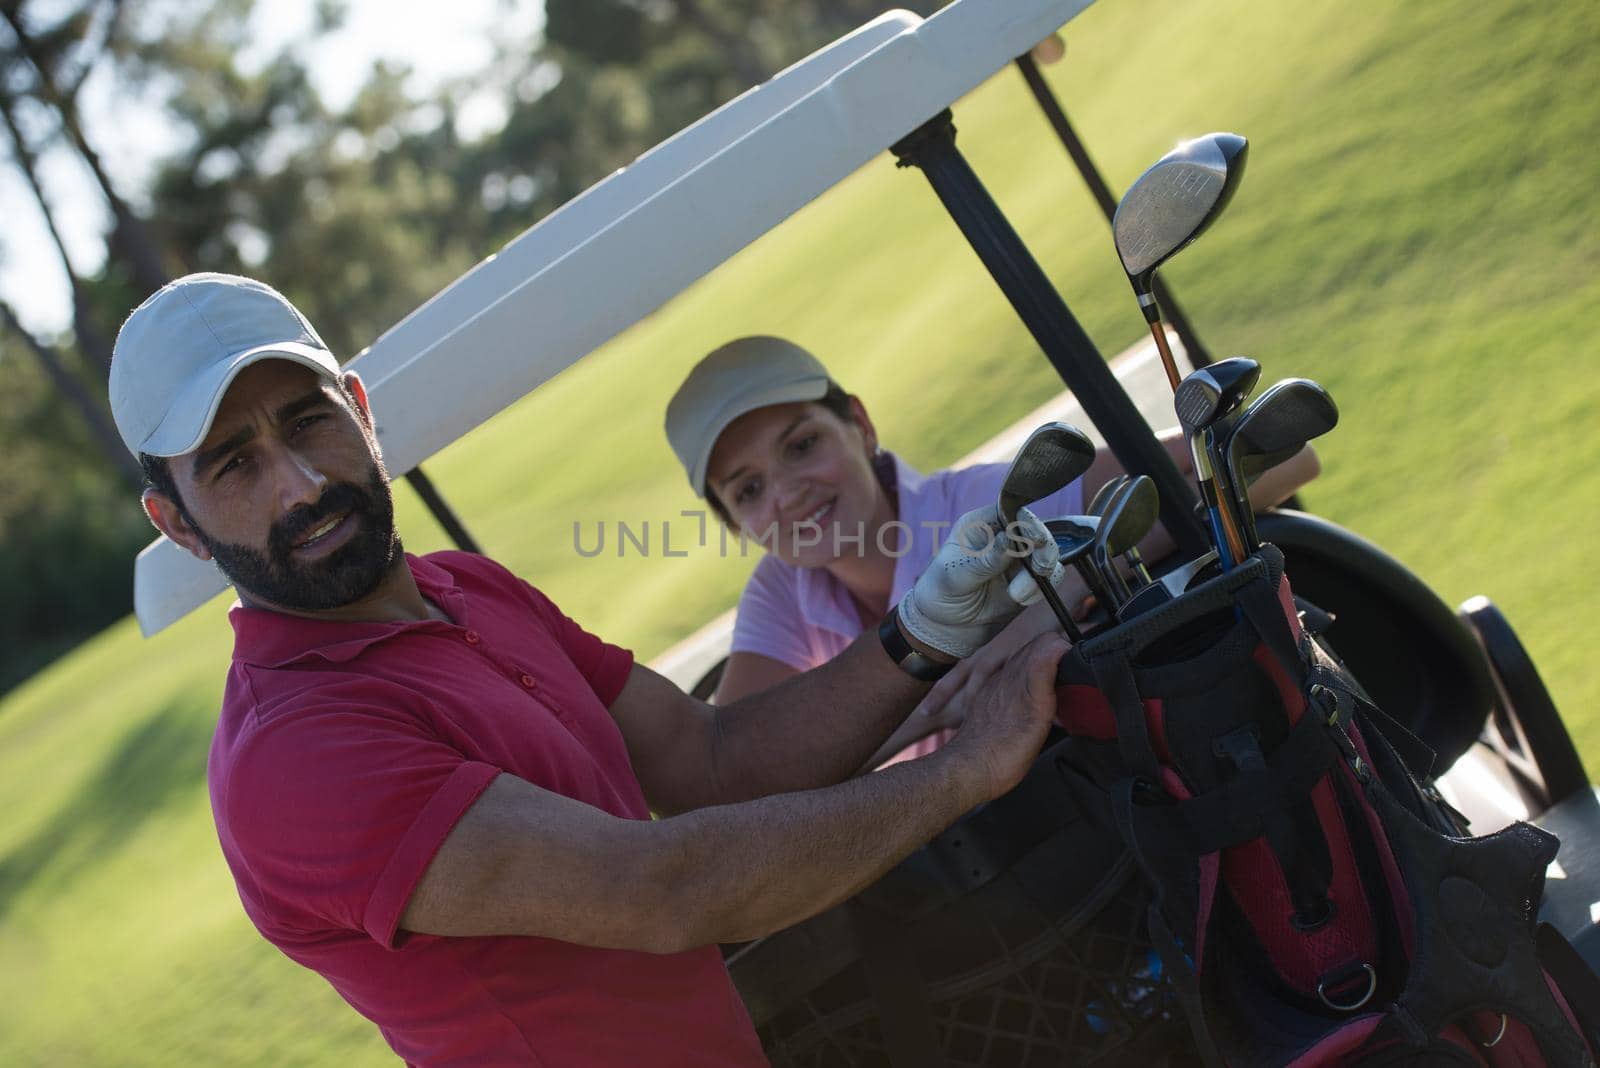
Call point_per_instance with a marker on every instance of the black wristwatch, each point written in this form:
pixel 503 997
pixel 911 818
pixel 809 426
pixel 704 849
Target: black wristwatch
pixel 911 662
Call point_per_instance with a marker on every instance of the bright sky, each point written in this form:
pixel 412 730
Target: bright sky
pixel 437 40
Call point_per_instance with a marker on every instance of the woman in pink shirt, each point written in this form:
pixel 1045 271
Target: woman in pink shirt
pixel 787 457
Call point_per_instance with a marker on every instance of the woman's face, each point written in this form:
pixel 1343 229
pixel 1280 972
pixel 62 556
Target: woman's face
pixel 799 479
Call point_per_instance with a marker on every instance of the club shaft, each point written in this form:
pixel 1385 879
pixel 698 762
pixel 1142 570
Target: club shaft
pixel 1053 599
pixel 1158 331
pixel 1232 498
pixel 1229 541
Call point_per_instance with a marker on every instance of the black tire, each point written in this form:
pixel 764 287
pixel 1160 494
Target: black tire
pixel 1404 644
pixel 1534 723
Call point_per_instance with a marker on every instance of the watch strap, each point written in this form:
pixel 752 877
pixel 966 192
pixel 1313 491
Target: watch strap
pixel 913 663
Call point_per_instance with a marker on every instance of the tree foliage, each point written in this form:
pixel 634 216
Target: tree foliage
pixel 358 213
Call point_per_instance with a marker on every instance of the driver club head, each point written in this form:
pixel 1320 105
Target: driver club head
pixel 1052 457
pixel 1174 201
pixel 1214 392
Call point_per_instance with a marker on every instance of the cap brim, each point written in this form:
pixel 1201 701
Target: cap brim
pixel 191 413
pixel 805 389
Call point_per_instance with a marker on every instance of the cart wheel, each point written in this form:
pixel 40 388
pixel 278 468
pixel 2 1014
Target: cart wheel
pixel 1407 647
pixel 1526 716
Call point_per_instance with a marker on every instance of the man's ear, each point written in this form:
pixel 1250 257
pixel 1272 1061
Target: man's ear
pixel 163 512
pixel 358 391
pixel 858 412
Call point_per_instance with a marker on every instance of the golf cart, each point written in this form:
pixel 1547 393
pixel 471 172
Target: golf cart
pixel 1007 937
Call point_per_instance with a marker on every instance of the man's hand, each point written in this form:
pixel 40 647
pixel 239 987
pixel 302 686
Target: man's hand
pixel 972 588
pixel 1006 708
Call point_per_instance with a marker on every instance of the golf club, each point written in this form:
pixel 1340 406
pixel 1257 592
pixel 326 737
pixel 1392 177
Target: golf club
pixel 1168 587
pixel 1074 537
pixel 1048 461
pixel 1278 422
pixel 1203 400
pixel 1166 208
pixel 1103 495
pixel 1131 512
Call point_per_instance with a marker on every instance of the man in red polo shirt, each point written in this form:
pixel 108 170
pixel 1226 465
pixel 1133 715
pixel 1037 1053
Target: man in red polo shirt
pixel 435 789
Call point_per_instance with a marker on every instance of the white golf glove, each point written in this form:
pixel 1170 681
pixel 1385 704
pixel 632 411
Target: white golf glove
pixel 976 584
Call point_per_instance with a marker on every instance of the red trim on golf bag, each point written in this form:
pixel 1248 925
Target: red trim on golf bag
pixel 1315 904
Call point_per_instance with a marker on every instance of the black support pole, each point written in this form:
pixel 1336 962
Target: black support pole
pixel 441 511
pixel 1199 355
pixel 932 149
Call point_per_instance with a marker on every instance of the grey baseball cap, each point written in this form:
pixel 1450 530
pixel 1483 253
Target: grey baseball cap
pixel 178 352
pixel 739 377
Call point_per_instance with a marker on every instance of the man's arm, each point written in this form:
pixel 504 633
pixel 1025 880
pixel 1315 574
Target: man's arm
pixel 820 726
pixel 525 861
pixel 812 729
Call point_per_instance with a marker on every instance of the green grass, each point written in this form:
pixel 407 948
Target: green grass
pixel 1417 231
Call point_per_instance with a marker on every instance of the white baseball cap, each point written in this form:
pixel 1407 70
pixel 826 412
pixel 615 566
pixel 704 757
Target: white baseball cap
pixel 179 351
pixel 739 377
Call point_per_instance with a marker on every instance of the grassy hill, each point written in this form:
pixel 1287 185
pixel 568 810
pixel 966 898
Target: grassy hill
pixel 1417 230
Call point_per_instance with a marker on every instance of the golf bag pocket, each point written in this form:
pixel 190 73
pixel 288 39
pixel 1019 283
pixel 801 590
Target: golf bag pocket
pixel 1316 903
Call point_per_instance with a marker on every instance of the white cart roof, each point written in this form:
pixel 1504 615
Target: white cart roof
pixel 633 241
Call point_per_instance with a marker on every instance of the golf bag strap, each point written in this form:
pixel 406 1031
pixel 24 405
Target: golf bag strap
pixel 1113 675
pixel 905 1015
pixel 1268 608
pixel 1237 811
pixel 1188 989
pixel 1413 751
pixel 1573 977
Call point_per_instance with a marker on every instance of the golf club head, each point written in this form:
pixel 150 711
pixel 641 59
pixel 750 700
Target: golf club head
pixel 1214 392
pixel 1289 413
pixel 1130 513
pixel 1271 430
pixel 1173 202
pixel 1252 465
pixel 1052 457
pixel 1074 535
pixel 1075 538
pixel 1102 496
pixel 1168 587
pixel 1179 579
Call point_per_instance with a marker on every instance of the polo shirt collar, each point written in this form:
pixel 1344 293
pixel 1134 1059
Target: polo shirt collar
pixel 824 601
pixel 264 638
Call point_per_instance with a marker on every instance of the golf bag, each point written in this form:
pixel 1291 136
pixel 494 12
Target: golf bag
pixel 1314 898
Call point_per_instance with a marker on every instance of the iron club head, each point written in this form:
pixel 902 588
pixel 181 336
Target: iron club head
pixel 1129 516
pixel 1273 428
pixel 1052 457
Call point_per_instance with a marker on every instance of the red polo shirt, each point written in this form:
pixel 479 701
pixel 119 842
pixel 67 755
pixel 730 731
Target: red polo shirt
pixel 347 751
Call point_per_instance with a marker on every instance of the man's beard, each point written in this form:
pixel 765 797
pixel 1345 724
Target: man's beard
pixel 348 574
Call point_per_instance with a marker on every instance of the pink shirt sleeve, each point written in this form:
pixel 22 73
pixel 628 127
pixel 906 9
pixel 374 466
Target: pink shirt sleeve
pixel 769 621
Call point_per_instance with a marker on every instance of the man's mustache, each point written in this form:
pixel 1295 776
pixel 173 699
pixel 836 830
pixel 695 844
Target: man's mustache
pixel 342 497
